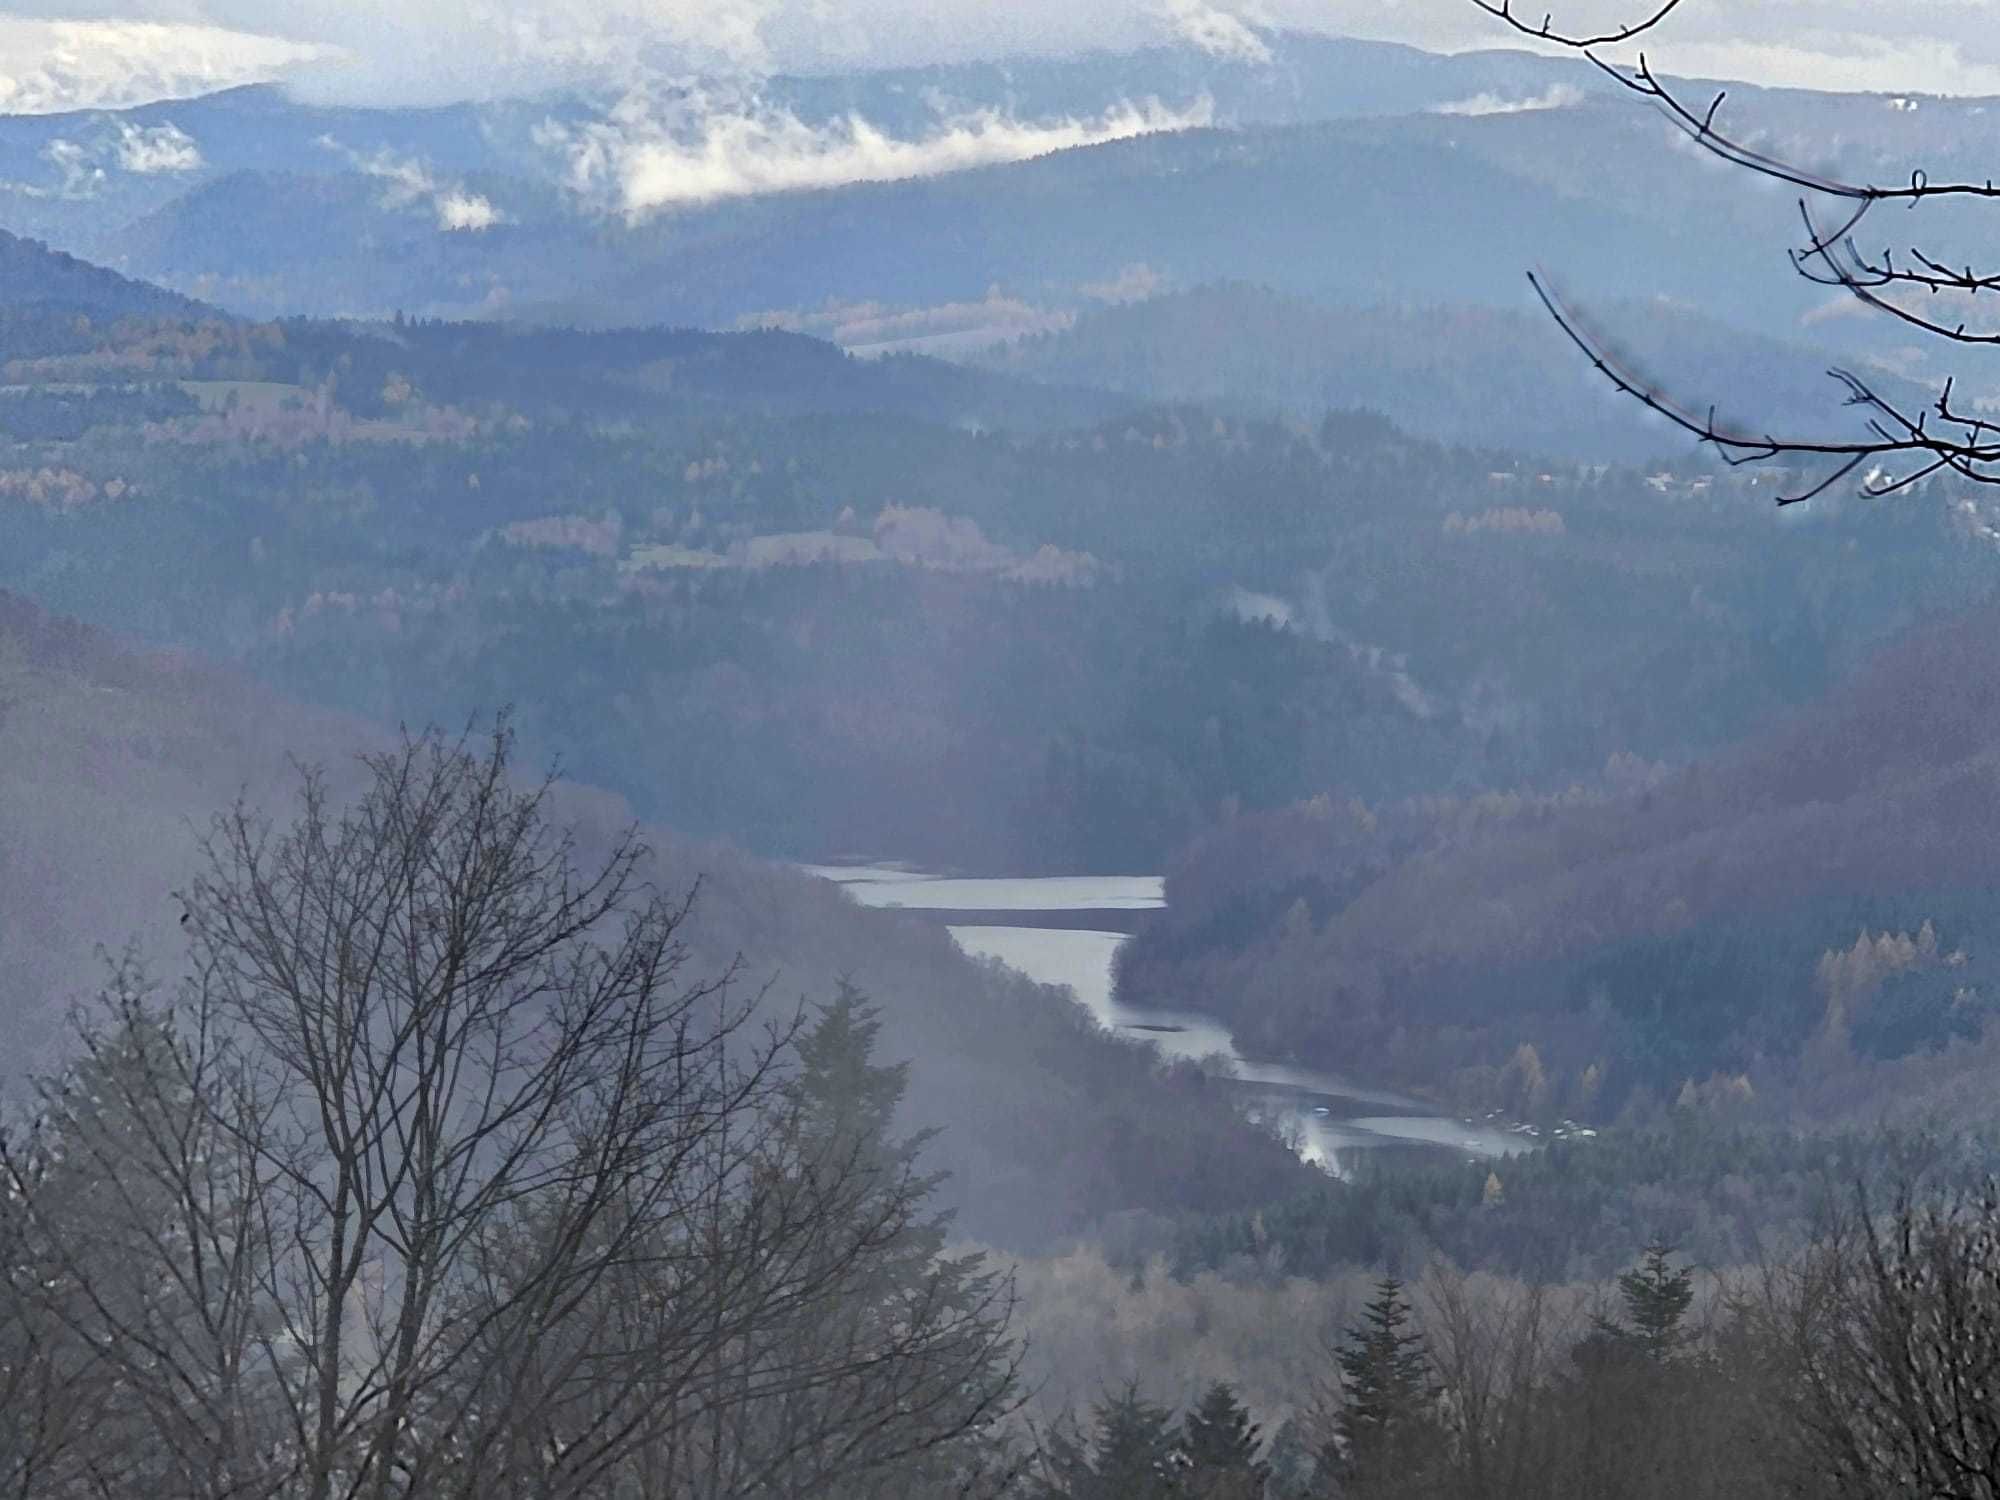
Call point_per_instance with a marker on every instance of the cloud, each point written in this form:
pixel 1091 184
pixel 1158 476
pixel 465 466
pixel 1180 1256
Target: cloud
pixel 75 164
pixel 459 209
pixel 82 166
pixel 156 148
pixel 1557 96
pixel 116 52
pixel 1910 57
pixel 875 328
pixel 411 182
pixel 1215 31
pixel 1133 283
pixel 53 65
pixel 646 157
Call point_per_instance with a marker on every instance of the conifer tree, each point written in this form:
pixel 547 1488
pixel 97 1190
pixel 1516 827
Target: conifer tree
pixel 1133 1454
pixel 1656 1296
pixel 1219 1444
pixel 1388 1416
pixel 1063 1459
pixel 848 1097
pixel 937 1397
pixel 1290 1461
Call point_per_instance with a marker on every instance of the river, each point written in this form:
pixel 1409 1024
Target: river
pixel 1065 930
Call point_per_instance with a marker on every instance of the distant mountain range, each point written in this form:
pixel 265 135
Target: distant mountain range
pixel 1486 376
pixel 1347 172
pixel 47 161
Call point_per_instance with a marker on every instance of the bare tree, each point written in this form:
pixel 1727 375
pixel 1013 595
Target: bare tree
pixel 1493 1347
pixel 1902 445
pixel 1895 1337
pixel 437 1178
pixel 134 1262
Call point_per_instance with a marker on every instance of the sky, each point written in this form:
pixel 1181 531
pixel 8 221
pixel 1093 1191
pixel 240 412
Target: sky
pixel 58 54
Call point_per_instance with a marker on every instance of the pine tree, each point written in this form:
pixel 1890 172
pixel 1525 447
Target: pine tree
pixel 1656 1297
pixel 1388 1416
pixel 1219 1444
pixel 845 1105
pixel 1133 1455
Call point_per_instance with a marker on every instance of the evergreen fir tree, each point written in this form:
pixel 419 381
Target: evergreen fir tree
pixel 1134 1454
pixel 1388 1416
pixel 1219 1445
pixel 1656 1297
pixel 845 1106
pixel 1065 1467
pixel 849 1097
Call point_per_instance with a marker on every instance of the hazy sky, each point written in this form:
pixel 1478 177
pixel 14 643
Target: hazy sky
pixel 57 52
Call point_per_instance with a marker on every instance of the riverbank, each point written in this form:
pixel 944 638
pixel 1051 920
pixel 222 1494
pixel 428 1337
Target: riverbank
pixel 1066 931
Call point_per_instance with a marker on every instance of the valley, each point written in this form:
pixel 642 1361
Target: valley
pixel 738 764
pixel 1023 924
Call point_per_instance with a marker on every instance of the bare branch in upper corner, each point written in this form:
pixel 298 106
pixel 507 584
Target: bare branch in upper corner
pixel 1503 10
pixel 1905 448
pixel 1902 446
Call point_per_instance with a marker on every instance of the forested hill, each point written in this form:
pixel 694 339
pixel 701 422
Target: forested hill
pixel 1457 372
pixel 37 279
pixel 1804 924
pixel 112 761
pixel 1452 176
pixel 1042 231
pixel 824 605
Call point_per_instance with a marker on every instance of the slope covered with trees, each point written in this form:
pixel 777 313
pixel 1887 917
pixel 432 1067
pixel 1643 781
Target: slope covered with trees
pixel 826 606
pixel 1804 921
pixel 1483 376
pixel 39 280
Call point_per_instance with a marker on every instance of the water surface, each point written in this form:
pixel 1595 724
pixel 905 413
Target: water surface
pixel 1328 1116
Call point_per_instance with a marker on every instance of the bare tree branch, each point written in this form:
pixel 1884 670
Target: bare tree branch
pixel 1903 448
pixel 1545 31
pixel 439 1179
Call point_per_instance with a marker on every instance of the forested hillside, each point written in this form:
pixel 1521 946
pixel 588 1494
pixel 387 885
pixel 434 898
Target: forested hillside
pixel 1797 929
pixel 1452 372
pixel 828 606
pixel 35 279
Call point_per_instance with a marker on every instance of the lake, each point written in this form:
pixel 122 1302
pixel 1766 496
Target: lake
pixel 1065 930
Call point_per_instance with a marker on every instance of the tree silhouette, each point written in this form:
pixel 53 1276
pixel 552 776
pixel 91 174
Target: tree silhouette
pixel 1387 1422
pixel 1219 1443
pixel 1656 1296
pixel 1133 1454
pixel 437 1178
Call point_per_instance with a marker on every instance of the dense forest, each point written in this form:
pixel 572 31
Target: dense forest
pixel 1795 929
pixel 899 607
